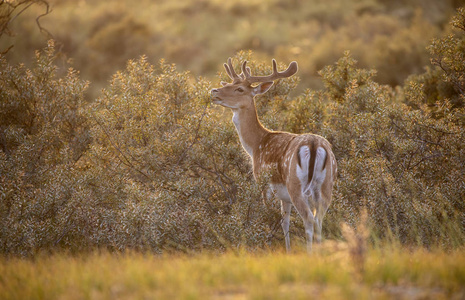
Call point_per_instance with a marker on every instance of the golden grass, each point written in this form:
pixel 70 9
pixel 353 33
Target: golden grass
pixel 328 273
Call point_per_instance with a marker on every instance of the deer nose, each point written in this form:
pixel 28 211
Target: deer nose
pixel 214 91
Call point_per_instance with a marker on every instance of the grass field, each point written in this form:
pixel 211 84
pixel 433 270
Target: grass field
pixel 329 273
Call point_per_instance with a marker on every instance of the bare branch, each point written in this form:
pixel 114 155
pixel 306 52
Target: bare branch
pixel 47 11
pixel 12 10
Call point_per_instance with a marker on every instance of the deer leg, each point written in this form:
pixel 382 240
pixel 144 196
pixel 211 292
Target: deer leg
pixel 308 225
pixel 306 214
pixel 318 225
pixel 318 214
pixel 322 202
pixel 286 212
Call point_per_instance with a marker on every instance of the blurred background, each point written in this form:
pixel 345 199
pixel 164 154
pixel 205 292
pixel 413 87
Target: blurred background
pixel 98 37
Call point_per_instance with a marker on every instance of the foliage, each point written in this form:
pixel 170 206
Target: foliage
pixel 43 135
pixel 157 131
pixel 388 155
pixel 146 166
pixel 151 165
pixel 448 53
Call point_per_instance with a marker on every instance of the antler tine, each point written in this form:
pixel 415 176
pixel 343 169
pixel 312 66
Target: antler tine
pixel 275 67
pixel 230 70
pixel 227 70
pixel 245 70
pixel 291 70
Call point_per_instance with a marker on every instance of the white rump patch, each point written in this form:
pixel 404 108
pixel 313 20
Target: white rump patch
pixel 302 170
pixel 319 173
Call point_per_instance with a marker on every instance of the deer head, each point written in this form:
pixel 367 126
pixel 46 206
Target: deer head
pixel 239 93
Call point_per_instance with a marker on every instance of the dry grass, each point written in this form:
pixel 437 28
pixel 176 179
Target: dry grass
pixel 329 273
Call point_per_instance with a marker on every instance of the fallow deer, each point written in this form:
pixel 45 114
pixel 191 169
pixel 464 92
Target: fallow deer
pixel 303 167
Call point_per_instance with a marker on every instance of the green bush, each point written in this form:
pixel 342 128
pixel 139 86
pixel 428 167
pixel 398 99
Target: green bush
pixel 156 130
pixel 151 165
pixel 448 54
pixel 44 134
pixel 400 163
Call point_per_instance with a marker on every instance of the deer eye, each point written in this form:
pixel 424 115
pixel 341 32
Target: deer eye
pixel 240 90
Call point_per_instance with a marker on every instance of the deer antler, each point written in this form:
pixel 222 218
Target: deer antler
pixel 291 70
pixel 246 76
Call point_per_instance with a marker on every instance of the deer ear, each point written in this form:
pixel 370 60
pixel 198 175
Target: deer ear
pixel 262 88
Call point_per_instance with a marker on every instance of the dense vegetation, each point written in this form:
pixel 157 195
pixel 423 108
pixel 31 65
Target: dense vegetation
pixel 149 164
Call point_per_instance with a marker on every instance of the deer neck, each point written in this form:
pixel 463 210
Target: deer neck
pixel 249 128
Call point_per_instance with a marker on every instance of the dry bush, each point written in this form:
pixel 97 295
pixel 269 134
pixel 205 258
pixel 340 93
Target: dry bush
pixel 157 132
pixel 151 165
pixel 43 135
pixel 148 166
pixel 400 162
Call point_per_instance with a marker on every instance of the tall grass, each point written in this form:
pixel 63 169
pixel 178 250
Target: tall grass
pixel 391 272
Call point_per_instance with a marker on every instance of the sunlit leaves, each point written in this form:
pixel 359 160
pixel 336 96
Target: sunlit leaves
pixel 152 165
pixel 391 156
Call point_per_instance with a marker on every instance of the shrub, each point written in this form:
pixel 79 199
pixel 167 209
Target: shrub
pixel 151 165
pixel 389 156
pixel 448 55
pixel 156 131
pixel 43 134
